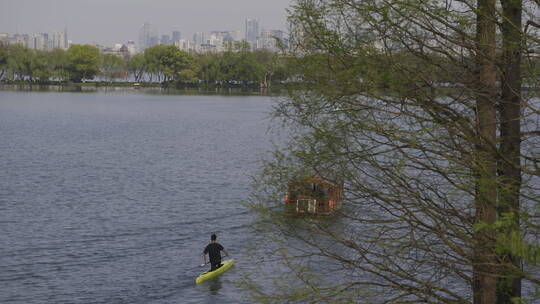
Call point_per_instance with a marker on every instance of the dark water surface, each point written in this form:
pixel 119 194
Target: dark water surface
pixel 110 197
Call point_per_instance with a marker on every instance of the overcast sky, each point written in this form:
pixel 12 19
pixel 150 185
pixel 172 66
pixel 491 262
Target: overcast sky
pixel 116 21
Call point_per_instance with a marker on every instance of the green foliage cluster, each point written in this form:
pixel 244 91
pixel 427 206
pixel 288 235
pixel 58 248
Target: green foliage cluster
pixel 419 108
pixel 238 65
pixel 112 66
pixel 168 63
pixel 83 62
pixel 21 64
pixel 79 62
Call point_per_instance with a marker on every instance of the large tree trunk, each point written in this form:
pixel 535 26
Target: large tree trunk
pixel 510 145
pixel 484 261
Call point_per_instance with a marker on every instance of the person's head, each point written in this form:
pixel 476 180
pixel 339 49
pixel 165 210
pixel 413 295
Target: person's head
pixel 213 237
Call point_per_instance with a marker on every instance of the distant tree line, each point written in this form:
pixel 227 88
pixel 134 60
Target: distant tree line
pixel 168 65
pixel 236 66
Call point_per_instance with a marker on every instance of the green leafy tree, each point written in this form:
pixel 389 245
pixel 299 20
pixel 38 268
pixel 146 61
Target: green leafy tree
pixel 112 66
pixel 3 60
pixel 240 64
pixel 40 66
pixel 152 57
pixel 20 62
pixel 272 66
pixel 209 68
pixel 58 64
pixel 187 75
pixel 83 62
pixel 170 63
pixel 137 66
pixel 178 65
pixel 419 108
pixel 247 69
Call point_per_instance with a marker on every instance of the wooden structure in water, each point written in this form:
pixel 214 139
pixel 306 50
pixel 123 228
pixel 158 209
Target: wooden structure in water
pixel 312 196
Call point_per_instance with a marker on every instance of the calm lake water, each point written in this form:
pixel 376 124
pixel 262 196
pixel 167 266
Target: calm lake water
pixel 111 197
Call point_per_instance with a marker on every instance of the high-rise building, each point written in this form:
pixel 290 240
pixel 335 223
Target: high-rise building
pixel 268 39
pixel 199 38
pixel 18 39
pixel 252 30
pixel 59 40
pixel 40 42
pixel 236 35
pixel 227 36
pixel 144 37
pixel 207 48
pixel 176 36
pixel 66 45
pixel 27 41
pixel 186 45
pixel 37 41
pixel 165 40
pixel 132 49
pixel 154 40
pixel 216 39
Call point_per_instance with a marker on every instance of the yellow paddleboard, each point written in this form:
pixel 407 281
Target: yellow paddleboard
pixel 212 274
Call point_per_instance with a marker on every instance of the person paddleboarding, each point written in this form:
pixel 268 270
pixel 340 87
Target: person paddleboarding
pixel 213 251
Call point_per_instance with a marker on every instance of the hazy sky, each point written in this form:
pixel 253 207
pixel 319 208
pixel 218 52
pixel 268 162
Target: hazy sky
pixel 116 21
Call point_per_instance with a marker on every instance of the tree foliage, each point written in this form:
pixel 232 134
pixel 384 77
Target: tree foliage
pixel 163 64
pixel 239 65
pixel 170 63
pixel 57 64
pixel 83 62
pixel 137 66
pixel 112 66
pixel 417 106
pixel 21 64
pixel 3 61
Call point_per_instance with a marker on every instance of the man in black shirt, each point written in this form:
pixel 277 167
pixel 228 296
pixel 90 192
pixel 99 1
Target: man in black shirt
pixel 214 252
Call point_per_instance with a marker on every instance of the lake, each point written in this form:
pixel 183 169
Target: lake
pixel 110 197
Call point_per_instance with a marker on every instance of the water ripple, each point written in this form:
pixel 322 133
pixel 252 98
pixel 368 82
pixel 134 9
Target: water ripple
pixel 110 198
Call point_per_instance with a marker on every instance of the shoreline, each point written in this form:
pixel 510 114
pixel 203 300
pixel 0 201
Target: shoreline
pixel 146 88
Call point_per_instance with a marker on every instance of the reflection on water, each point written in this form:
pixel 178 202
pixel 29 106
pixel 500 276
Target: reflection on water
pixel 152 90
pixel 214 286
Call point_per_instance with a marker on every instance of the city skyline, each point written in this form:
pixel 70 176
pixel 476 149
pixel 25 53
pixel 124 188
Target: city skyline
pixel 214 41
pixel 107 23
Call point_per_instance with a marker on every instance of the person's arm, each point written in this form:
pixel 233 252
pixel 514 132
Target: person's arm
pixel 204 255
pixel 226 253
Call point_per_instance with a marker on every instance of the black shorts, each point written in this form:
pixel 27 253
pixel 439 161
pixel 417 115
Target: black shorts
pixel 214 266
